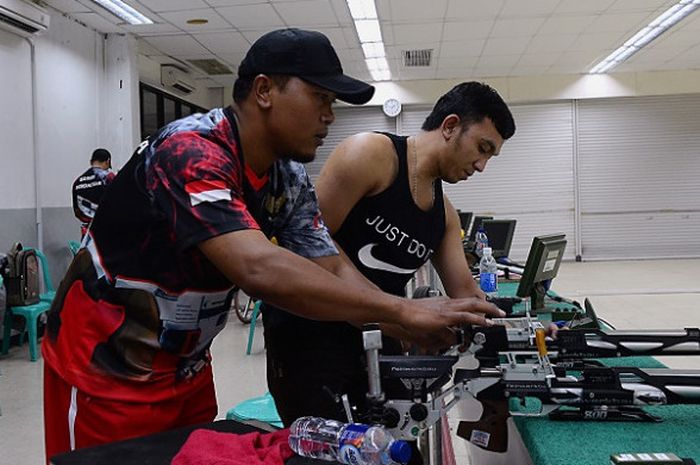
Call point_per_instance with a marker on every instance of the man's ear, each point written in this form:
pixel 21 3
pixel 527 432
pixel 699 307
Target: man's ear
pixel 262 87
pixel 450 126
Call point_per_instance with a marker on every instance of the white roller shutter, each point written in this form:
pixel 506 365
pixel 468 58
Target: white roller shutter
pixel 412 119
pixel 349 121
pixel 530 181
pixel 639 162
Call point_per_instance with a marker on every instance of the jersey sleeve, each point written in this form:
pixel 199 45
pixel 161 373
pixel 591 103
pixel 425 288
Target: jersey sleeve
pixel 196 185
pixel 304 232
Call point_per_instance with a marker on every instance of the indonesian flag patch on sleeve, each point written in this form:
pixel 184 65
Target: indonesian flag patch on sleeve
pixel 212 190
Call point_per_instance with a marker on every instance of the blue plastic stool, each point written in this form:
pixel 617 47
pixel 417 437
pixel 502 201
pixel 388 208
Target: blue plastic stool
pixel 251 331
pixel 257 409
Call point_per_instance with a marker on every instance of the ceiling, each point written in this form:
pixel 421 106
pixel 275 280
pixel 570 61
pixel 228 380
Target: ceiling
pixel 469 38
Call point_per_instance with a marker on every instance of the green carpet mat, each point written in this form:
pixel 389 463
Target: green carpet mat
pixel 590 443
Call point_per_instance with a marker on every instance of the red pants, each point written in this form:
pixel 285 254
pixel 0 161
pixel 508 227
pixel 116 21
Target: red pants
pixel 73 419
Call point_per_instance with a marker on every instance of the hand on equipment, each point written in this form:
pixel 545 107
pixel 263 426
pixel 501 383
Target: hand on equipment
pixel 429 321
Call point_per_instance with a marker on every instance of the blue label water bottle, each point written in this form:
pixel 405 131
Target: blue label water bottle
pixel 488 273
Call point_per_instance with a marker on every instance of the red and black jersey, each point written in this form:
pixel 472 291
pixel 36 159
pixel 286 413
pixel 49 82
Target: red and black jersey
pixel 141 303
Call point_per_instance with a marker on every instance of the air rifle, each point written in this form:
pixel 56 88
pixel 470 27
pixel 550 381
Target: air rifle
pixel 596 394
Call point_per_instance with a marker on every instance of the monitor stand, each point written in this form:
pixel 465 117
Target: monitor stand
pixel 537 298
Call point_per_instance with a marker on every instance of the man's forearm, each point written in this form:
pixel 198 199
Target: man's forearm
pixel 301 286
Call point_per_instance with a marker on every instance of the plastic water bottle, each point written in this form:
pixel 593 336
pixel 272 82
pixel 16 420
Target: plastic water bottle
pixel 488 273
pixel 351 444
pixel 480 241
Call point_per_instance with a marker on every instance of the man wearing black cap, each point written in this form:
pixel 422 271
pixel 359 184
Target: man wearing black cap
pixel 185 222
pixel 90 186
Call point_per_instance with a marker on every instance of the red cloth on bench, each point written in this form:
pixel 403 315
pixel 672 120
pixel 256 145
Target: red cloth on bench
pixel 206 447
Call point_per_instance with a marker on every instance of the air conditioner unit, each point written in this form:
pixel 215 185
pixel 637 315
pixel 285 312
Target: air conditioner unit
pixel 175 78
pixel 23 18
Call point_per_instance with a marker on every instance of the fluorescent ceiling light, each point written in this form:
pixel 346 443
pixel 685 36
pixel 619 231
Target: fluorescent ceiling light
pixel 124 11
pixel 368 30
pixel 650 32
pixel 362 9
pixel 364 14
pixel 373 49
pixel 377 64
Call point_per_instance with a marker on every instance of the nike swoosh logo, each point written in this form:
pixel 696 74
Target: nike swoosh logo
pixel 366 258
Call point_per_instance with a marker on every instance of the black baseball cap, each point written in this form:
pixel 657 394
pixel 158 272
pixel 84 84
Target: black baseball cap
pixel 308 55
pixel 101 155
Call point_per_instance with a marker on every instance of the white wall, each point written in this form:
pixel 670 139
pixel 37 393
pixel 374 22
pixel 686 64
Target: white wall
pixel 16 146
pixel 70 76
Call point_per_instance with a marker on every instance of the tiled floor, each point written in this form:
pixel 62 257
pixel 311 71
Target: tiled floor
pixel 639 294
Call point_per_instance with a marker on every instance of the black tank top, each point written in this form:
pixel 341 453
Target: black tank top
pixel 387 236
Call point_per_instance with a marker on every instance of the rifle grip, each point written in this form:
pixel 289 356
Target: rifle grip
pixel 490 432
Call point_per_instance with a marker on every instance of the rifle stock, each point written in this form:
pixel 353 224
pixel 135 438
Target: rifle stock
pixel 490 431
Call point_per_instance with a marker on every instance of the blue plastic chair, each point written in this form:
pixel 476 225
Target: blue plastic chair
pixel 257 409
pixel 30 313
pixel 50 293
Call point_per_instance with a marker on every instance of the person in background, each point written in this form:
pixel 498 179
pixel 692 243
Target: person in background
pixel 188 220
pixel 382 200
pixel 90 186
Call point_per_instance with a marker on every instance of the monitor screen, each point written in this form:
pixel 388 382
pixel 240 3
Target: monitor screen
pixel 543 260
pixel 500 235
pixel 475 226
pixel 465 219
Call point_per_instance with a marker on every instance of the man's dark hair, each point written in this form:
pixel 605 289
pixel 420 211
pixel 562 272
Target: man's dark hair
pixel 243 85
pixel 472 102
pixel 100 155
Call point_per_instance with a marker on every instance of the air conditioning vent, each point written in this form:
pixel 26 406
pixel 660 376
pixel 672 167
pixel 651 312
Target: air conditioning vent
pixel 12 22
pixel 417 58
pixel 20 17
pixel 176 79
pixel 182 88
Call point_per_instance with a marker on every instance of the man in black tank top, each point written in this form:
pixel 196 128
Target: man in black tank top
pixel 381 197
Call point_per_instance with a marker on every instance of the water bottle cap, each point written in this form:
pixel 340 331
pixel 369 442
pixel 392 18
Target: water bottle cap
pixel 400 451
pixel 487 250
